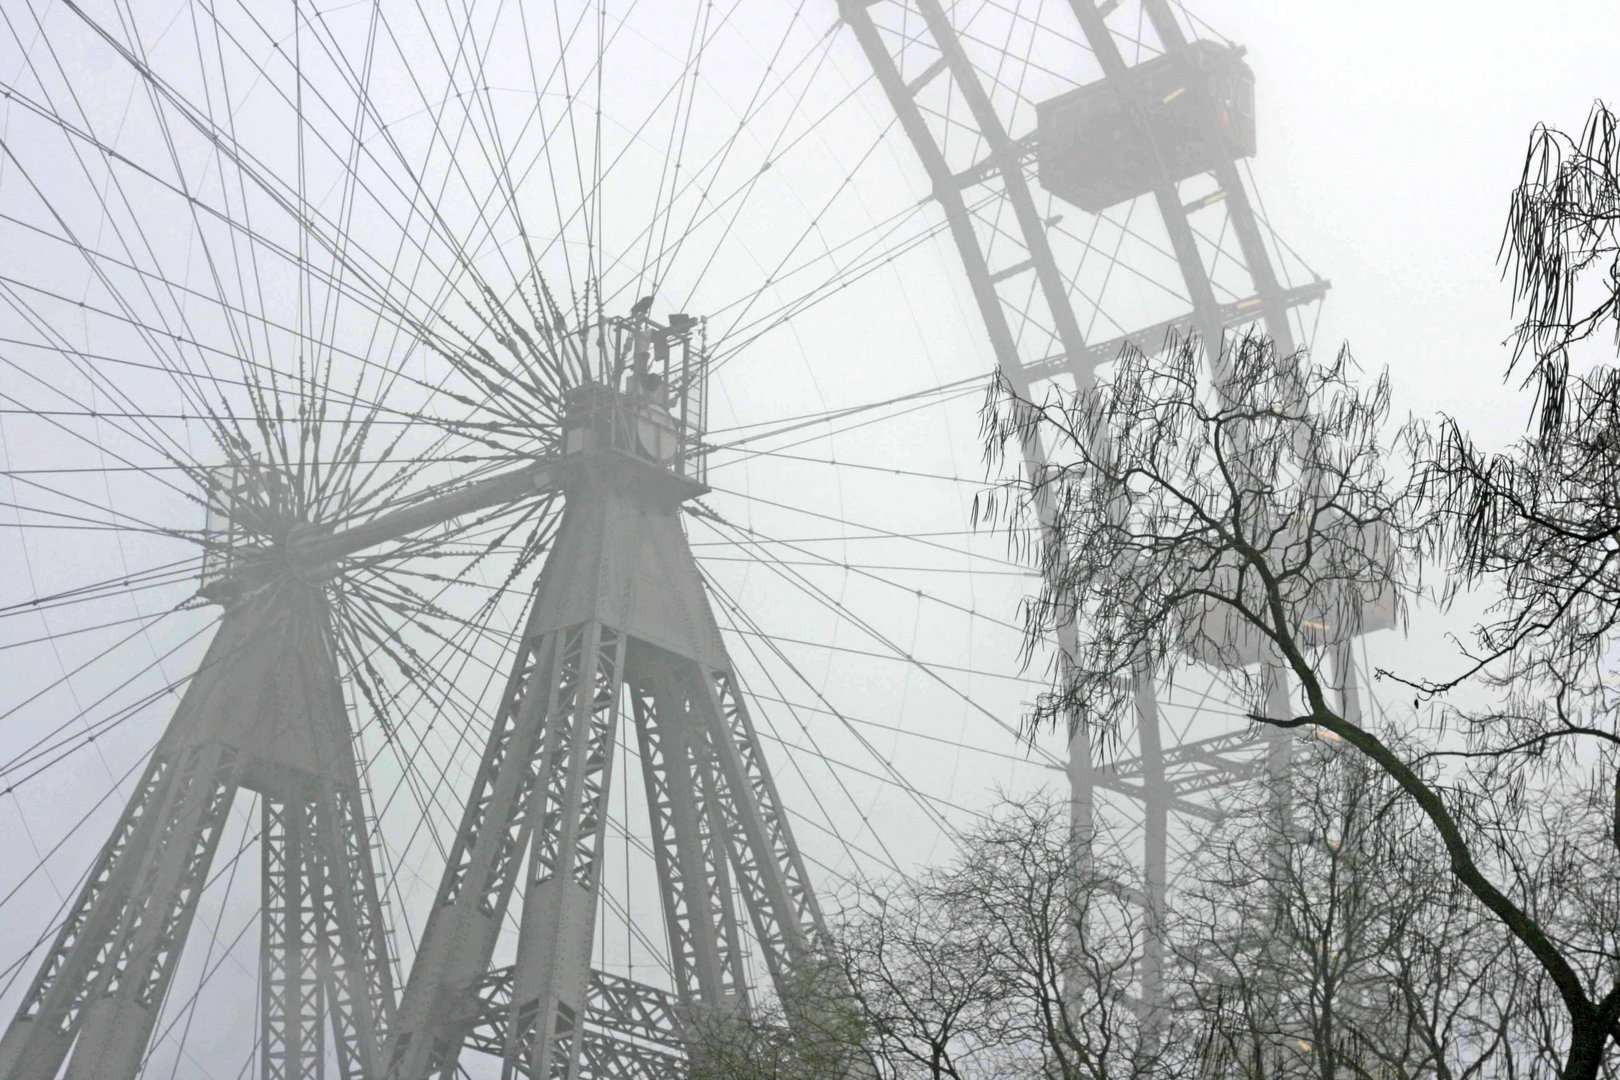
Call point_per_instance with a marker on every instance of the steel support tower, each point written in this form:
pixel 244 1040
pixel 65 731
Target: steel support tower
pixel 619 634
pixel 264 712
pixel 620 629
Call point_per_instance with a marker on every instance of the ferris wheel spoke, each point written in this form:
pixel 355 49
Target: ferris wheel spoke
pixel 675 143
pixel 148 621
pixel 590 195
pixel 225 422
pixel 744 336
pixel 695 176
pixel 803 235
pixel 329 245
pixel 95 360
pixel 114 517
pixel 931 803
pixel 798 422
pixel 366 256
pixel 576 152
pixel 334 479
pixel 154 577
pixel 141 431
pixel 464 247
pixel 369 634
pixel 67 745
pixel 935 665
pixel 676 151
pixel 418 195
pixel 936 804
pixel 819 595
pixel 916 474
pixel 178 370
pixel 240 340
pixel 383 699
pixel 737 199
pixel 84 521
pixel 1115 263
pixel 735 615
pixel 875 235
pixel 775 152
pixel 753 537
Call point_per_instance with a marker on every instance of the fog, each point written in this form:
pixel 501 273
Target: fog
pixel 224 230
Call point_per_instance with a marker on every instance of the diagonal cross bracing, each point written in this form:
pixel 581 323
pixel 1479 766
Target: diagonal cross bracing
pixel 619 632
pixel 265 712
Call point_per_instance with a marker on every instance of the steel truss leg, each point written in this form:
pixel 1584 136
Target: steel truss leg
pixel 38 1039
pixel 353 934
pixel 546 776
pixel 559 903
pixel 774 885
pixel 1279 762
pixel 292 1009
pixel 135 962
pixel 322 953
pixel 1155 861
pixel 266 712
pixel 323 948
pixel 694 880
pixel 1082 853
pixel 460 934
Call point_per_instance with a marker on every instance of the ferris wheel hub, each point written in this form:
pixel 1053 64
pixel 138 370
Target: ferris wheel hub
pixel 628 442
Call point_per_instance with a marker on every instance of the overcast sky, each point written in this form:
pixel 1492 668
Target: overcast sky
pixel 1389 136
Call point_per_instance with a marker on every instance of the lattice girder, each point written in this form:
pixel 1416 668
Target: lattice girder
pixel 631 1031
pixel 265 711
pixel 921 60
pixel 136 960
pixel 291 1044
pixel 620 623
pixel 560 898
pixel 459 937
pixel 694 879
pixel 38 1039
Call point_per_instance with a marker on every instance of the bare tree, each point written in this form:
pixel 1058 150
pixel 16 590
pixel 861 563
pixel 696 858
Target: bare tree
pixel 1008 961
pixel 814 1031
pixel 1562 248
pixel 1331 942
pixel 1555 850
pixel 1190 519
pixel 933 1006
pixel 1065 938
pixel 1250 524
pixel 1538 526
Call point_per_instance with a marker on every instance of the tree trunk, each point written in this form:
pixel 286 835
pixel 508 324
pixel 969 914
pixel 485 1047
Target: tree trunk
pixel 1587 1042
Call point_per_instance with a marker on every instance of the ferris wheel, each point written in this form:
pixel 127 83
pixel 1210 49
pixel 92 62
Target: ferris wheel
pixel 487 497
